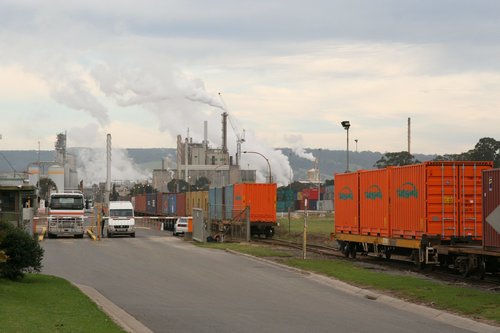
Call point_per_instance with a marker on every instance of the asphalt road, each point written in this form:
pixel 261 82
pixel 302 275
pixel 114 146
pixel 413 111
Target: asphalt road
pixel 172 286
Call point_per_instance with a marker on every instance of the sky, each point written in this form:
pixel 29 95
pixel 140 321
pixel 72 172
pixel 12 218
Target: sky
pixel 288 72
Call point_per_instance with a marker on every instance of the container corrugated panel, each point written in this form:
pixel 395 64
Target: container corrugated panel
pixel 219 199
pixel 228 202
pixel 310 193
pixel 346 203
pixel 374 202
pixel 313 204
pixel 172 204
pixel 407 201
pixel 159 204
pixel 181 204
pixel 190 198
pixel 326 205
pixel 491 210
pixel 164 204
pixel 212 203
pixel 261 198
pixel 454 199
pixel 140 204
pixel 151 203
pixel 202 201
pixel 471 198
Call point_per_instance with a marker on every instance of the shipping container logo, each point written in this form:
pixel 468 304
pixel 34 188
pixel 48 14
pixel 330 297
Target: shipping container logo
pixel 407 190
pixel 346 194
pixel 374 192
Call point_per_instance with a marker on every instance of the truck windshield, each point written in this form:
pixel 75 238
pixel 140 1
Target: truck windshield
pixel 66 202
pixel 121 213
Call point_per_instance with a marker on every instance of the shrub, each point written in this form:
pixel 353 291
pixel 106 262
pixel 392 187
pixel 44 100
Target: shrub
pixel 24 254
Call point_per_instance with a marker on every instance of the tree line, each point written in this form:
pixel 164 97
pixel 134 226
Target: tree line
pixel 487 149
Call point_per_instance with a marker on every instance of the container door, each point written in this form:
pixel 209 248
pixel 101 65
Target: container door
pixel 346 203
pixel 471 200
pixel 443 199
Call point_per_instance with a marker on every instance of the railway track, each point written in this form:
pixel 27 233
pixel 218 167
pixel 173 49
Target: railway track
pixel 491 282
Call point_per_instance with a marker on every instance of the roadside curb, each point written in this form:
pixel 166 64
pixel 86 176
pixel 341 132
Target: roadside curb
pixel 119 316
pixel 439 315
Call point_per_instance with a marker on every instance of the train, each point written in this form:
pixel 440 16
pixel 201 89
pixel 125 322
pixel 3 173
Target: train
pixel 222 206
pixel 434 213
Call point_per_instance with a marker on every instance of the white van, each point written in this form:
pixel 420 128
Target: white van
pixel 120 219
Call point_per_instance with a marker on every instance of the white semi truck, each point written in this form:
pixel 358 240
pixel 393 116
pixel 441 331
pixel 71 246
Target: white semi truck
pixel 66 215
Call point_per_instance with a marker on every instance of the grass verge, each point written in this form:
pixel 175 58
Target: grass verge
pixel 43 303
pixel 458 299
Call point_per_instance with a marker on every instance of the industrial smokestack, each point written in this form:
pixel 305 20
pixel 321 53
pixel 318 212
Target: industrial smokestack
pixel 224 132
pixel 205 140
pixel 409 135
pixel 108 170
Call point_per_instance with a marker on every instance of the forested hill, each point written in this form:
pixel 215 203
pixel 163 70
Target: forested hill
pixel 330 161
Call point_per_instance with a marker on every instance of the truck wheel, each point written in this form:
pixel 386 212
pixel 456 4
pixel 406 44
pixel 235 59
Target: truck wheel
pixel 132 235
pixel 108 234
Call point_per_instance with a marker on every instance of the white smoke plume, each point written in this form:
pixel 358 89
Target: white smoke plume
pixel 91 166
pixel 296 145
pixel 180 102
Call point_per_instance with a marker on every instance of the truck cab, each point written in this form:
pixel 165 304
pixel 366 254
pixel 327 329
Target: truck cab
pixel 120 219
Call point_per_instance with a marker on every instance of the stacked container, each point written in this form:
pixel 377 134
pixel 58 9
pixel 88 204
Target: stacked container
pixel 261 198
pixel 437 198
pixel 441 199
pixel 491 210
pixel 180 200
pixel 347 203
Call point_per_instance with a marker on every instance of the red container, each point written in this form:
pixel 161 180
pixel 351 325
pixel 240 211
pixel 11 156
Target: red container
pixel 181 204
pixel 347 203
pixel 140 204
pixel 159 204
pixel 310 193
pixel 374 202
pixel 491 210
pixel 261 198
pixel 436 199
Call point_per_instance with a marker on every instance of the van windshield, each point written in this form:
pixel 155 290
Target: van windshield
pixel 121 213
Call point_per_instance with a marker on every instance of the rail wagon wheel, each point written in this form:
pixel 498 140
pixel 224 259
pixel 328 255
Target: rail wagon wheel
pixel 344 249
pixel 352 250
pixel 481 269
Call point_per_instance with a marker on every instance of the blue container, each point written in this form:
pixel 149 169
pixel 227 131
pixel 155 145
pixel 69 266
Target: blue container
pixel 211 203
pixel 228 202
pixel 219 203
pixel 172 204
pixel 151 204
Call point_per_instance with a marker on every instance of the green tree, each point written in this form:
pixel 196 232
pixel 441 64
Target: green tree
pixel 114 194
pixel 45 187
pixel 396 159
pixel 487 149
pixel 201 184
pixel 23 252
pixel 177 185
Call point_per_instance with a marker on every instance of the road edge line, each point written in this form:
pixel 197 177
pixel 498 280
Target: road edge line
pixel 117 314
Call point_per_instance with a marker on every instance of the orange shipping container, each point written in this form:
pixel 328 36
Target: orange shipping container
pixel 260 197
pixel 346 203
pixel 437 198
pixel 374 202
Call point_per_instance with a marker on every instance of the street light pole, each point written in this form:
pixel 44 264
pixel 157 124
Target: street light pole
pixel 270 177
pixel 346 124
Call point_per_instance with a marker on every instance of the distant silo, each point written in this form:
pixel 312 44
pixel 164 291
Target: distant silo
pixel 33 174
pixel 56 173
